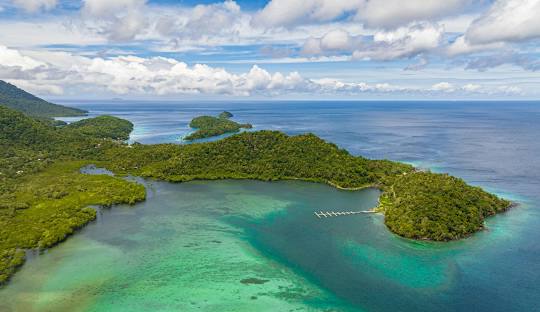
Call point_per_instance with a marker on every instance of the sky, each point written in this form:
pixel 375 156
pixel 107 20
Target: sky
pixel 273 49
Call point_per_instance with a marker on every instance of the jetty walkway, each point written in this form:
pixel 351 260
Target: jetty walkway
pixel 328 214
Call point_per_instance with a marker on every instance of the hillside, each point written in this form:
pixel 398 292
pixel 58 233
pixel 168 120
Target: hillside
pixel 209 126
pixel 104 127
pixel 20 100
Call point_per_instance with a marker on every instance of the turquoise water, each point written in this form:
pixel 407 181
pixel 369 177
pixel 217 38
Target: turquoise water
pixel 195 246
pixel 255 246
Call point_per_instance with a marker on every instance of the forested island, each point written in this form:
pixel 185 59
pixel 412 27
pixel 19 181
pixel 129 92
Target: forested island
pixel 44 197
pixel 209 126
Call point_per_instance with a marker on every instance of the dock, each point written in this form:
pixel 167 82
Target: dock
pixel 328 214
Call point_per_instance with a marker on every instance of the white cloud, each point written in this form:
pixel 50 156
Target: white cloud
pixel 373 13
pixel 462 46
pixel 338 40
pixel 471 87
pixel 33 88
pixel 107 8
pixel 485 62
pixel 62 72
pixel 402 42
pixel 47 32
pixel 507 20
pixel 13 58
pixel 172 28
pixel 458 24
pixel 218 23
pixel 334 41
pixel 288 13
pixel 443 86
pixel 119 20
pixel 33 6
pixel 395 13
pixel 136 75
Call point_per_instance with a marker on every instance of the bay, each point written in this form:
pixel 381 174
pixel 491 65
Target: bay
pixel 136 259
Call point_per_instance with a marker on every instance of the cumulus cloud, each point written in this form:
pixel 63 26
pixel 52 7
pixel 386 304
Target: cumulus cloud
pixel 334 41
pixel 119 20
pixel 462 46
pixel 373 13
pixel 13 58
pixel 175 28
pixel 287 13
pixel 443 86
pixel 136 75
pixel 33 6
pixel 395 13
pixel 212 24
pixel 60 72
pixel 524 61
pixel 507 20
pixel 402 42
pixel 107 8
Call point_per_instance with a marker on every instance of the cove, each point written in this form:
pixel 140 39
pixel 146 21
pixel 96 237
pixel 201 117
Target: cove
pixel 242 246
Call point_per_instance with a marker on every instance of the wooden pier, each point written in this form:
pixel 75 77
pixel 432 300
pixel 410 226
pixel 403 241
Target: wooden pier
pixel 328 214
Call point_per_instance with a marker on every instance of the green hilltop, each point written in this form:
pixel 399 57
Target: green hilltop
pixel 209 126
pixel 20 100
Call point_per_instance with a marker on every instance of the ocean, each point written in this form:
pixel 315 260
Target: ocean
pixel 256 246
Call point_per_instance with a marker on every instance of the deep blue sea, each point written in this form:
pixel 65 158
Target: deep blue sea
pixel 495 145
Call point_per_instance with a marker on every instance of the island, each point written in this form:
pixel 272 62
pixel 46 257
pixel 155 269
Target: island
pixel 106 127
pixel 209 126
pixel 44 197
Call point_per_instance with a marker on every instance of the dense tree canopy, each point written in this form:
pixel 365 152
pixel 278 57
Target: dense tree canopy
pixel 43 197
pixel 225 114
pixel 209 126
pixel 104 127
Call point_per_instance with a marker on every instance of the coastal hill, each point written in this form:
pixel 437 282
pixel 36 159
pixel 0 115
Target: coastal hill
pixel 44 197
pixel 20 100
pixel 209 126
pixel 104 127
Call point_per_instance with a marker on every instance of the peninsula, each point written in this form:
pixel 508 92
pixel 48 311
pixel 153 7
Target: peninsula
pixel 209 126
pixel 44 197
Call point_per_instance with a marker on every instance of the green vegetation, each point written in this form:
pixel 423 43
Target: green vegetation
pixel 45 208
pixel 104 127
pixel 44 197
pixel 209 126
pixel 417 205
pixel 226 115
pixel 17 99
pixel 424 205
pixel 262 155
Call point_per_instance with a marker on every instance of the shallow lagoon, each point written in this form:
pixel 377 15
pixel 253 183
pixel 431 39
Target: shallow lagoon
pixel 190 245
pixel 195 246
pixel 245 246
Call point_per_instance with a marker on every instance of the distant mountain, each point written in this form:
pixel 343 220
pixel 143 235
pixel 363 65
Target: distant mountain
pixel 18 99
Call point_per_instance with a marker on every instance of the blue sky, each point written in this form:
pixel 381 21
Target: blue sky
pixel 334 49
